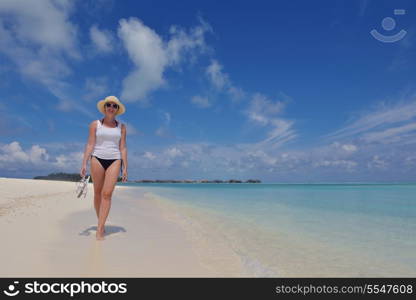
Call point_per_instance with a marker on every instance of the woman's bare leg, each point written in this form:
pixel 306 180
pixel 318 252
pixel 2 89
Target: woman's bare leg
pixel 110 180
pixel 97 174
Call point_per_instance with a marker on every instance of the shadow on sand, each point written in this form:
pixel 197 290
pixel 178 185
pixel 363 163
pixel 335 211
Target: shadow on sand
pixel 109 230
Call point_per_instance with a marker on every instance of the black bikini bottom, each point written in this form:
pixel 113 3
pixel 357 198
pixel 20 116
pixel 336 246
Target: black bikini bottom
pixel 105 162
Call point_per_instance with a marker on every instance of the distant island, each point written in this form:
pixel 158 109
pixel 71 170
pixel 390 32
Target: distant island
pixel 77 177
pixel 196 181
pixel 62 177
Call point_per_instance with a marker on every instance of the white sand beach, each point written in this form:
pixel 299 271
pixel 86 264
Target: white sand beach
pixel 48 232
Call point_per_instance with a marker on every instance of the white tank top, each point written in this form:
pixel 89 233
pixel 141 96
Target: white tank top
pixel 107 141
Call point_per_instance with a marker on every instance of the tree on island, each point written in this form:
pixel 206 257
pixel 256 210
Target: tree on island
pixel 77 177
pixel 64 177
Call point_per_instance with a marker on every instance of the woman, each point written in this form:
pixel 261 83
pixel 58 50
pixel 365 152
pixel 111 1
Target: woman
pixel 107 150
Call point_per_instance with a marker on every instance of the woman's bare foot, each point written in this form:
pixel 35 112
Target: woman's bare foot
pixel 100 234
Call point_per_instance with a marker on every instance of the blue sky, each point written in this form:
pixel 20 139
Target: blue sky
pixel 281 91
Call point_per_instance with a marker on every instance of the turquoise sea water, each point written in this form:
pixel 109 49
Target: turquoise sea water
pixel 308 229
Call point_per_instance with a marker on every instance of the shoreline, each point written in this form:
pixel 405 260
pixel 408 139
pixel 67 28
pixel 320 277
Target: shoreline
pixel 51 233
pixel 211 245
pixel 152 236
pixel 138 182
pixel 277 252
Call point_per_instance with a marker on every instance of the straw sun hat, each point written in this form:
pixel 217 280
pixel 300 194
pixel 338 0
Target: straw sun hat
pixel 114 99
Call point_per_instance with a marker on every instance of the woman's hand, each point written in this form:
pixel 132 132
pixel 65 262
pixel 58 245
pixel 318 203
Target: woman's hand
pixel 124 176
pixel 83 170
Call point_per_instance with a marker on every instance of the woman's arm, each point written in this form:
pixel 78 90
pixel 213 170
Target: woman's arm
pixel 90 144
pixel 123 150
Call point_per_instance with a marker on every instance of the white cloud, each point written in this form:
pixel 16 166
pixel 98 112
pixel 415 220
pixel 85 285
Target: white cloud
pixel 131 130
pixel 330 162
pixel 45 24
pixel 167 117
pixel 384 123
pixel 38 155
pixel 312 164
pixel 216 75
pixel 185 164
pixel 263 111
pixel 389 135
pixel 223 161
pixel 37 38
pixel 347 164
pixel 96 88
pixel 410 160
pixel 282 129
pixel 201 102
pixel 69 161
pixel 221 81
pixel 264 157
pixel 145 49
pixel 102 39
pixel 149 155
pixel 182 43
pixel 37 159
pixel 377 163
pixel 152 56
pixel 67 105
pixel 162 132
pixel 349 148
pixel 173 152
pixel 260 105
pixel 236 93
pixel 13 153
